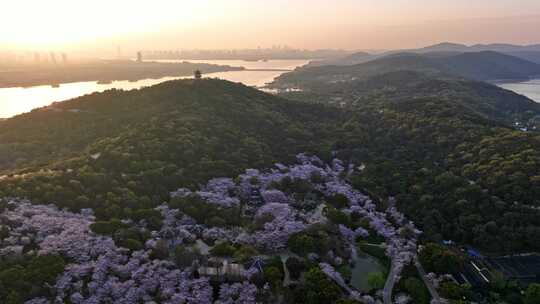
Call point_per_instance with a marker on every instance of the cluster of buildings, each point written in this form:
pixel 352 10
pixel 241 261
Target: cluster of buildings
pixel 480 270
pixel 275 52
pixel 52 58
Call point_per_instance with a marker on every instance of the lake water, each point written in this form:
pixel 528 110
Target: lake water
pixel 364 265
pixel 529 88
pixel 252 65
pixel 15 101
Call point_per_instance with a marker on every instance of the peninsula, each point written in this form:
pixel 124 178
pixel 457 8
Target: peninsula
pixel 103 71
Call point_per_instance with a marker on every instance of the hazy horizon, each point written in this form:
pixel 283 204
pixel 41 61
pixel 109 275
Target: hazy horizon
pixel 354 25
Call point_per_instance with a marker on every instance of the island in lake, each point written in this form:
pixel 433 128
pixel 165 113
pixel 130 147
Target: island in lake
pixel 103 71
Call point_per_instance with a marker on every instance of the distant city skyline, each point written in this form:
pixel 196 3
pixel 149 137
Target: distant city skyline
pixel 101 26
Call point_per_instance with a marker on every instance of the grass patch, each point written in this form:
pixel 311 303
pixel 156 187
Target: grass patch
pixel 376 252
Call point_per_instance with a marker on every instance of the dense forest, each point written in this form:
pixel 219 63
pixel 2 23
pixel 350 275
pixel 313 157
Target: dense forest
pixel 448 148
pixel 461 177
pixel 483 99
pixel 126 150
pixel 460 174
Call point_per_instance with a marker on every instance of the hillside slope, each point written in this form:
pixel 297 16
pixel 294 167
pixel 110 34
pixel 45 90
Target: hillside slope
pixel 533 56
pixel 489 65
pixel 133 147
pixel 486 100
pixel 483 66
pixel 69 129
pixel 459 174
pixel 352 59
pixel 526 52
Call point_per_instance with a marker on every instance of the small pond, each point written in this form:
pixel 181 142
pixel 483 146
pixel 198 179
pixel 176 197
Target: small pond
pixel 364 265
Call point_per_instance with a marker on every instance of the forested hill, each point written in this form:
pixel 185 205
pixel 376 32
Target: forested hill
pixel 484 66
pixel 529 53
pixel 458 174
pixel 489 65
pixel 112 149
pixel 213 114
pixel 351 59
pixel 484 99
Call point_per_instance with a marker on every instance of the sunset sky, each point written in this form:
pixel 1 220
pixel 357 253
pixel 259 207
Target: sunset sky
pixel 350 24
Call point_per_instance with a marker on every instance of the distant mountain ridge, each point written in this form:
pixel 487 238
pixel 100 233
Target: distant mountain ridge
pixel 490 65
pixel 497 47
pixel 482 66
pixel 526 52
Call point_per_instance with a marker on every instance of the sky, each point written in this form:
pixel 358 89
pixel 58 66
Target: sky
pixel 101 25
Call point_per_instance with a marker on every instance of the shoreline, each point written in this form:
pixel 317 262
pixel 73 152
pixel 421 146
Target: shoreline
pixel 68 90
pixel 513 80
pixel 527 89
pixel 103 73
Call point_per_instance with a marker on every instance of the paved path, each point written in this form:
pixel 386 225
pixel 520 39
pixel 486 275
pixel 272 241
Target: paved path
pixel 287 278
pixel 432 290
pixel 389 285
pixel 381 245
pixel 203 247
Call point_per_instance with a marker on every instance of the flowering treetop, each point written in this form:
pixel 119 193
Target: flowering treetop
pixel 102 271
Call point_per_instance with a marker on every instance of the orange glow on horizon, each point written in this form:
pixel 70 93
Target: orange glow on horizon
pixel 351 24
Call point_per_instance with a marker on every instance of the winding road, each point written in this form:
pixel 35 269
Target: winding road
pixel 432 290
pixel 389 285
pixel 391 281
